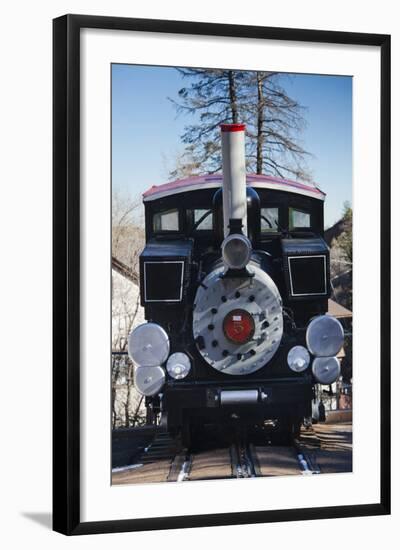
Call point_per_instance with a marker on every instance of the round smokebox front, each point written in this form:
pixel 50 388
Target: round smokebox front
pixel 237 322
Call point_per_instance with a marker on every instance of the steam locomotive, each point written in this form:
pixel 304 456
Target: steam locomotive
pixel 234 281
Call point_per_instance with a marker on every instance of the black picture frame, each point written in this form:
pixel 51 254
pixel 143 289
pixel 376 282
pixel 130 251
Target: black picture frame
pixel 66 272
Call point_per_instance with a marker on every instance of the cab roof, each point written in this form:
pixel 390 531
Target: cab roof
pixel 195 183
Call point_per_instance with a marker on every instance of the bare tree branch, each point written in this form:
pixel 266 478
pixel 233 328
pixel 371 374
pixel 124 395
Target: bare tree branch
pixel 274 121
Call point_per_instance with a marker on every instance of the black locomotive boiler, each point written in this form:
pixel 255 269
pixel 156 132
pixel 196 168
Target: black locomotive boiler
pixel 234 281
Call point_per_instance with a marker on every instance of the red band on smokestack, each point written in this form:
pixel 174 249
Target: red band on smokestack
pixel 233 127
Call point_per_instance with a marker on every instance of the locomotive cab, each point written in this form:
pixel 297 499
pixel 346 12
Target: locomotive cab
pixel 234 281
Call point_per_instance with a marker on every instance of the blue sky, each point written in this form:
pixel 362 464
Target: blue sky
pixel 146 130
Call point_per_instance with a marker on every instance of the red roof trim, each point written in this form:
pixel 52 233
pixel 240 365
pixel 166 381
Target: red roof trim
pixel 252 179
pixel 233 127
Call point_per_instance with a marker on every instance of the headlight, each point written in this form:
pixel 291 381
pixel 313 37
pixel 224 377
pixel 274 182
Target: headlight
pixel 149 380
pixel 324 336
pixel 148 345
pixel 326 369
pixel 236 251
pixel 178 365
pixel 298 359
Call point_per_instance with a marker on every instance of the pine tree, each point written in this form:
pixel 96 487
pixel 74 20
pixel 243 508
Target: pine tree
pixel 274 122
pixel 215 95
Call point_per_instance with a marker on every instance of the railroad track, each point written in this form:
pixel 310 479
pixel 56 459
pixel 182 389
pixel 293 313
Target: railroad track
pixel 234 461
pixel 240 460
pixel 243 461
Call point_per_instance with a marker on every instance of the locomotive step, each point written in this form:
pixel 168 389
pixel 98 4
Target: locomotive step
pixel 163 447
pixel 153 457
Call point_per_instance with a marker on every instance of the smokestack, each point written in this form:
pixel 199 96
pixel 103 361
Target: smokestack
pixel 234 175
pixel 236 247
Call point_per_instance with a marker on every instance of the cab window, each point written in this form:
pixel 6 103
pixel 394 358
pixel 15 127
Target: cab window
pixel 202 219
pixel 299 219
pixel 167 220
pixel 270 219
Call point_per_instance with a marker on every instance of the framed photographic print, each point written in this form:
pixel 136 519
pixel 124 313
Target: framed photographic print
pixel 221 274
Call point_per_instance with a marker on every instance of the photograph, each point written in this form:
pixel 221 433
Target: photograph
pixel 231 274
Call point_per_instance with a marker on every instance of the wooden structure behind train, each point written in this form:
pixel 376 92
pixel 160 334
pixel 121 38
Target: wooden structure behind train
pixel 235 282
